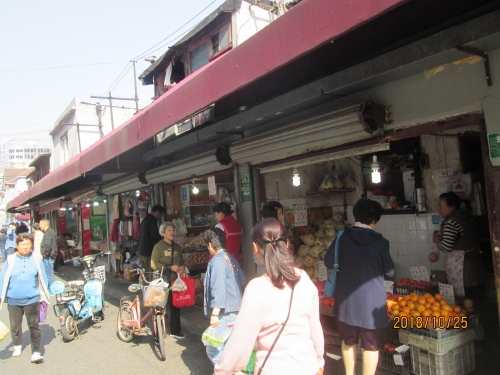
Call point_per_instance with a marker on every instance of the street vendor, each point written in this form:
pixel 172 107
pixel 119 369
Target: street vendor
pixel 458 239
pixel 166 253
pixel 231 227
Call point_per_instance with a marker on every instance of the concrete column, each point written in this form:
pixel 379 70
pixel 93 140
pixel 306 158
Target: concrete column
pixel 245 207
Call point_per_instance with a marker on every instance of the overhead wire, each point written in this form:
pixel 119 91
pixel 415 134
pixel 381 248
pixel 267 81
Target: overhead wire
pixel 145 53
pixel 60 67
pixel 118 78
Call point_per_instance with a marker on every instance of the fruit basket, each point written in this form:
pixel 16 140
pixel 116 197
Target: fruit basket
pixel 386 362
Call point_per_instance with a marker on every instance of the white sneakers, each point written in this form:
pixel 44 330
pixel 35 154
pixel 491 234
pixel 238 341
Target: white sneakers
pixel 36 357
pixel 17 350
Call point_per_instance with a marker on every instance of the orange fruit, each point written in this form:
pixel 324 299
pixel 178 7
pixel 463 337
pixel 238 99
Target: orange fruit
pixel 435 308
pixel 395 307
pixel 428 306
pixel 438 297
pixel 413 297
pixel 444 313
pixel 395 312
pixel 406 298
pixel 426 295
pixel 420 308
pixel 447 308
pixel 457 309
pixel 426 313
pixel 421 301
pixel 411 305
pixel 402 303
pixel 406 310
pixel 436 303
pixel 435 313
pixel 443 302
pixel 430 299
pixel 415 313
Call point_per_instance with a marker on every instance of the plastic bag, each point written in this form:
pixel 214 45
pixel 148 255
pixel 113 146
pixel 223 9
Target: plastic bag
pixel 4 330
pixel 212 337
pixel 155 294
pixel 179 285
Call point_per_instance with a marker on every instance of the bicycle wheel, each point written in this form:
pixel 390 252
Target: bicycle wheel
pixel 124 333
pixel 160 335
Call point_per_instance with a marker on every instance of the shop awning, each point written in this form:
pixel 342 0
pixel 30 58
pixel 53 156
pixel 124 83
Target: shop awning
pixel 22 216
pixel 49 206
pixel 278 44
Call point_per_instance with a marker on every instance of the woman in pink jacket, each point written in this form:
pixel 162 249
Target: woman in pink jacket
pixel 279 312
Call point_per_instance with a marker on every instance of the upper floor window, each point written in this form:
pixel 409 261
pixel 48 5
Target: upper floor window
pixel 198 57
pixel 221 40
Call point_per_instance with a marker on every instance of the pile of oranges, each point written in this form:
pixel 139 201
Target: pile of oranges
pixel 414 305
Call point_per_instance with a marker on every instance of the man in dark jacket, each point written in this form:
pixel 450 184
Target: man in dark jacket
pixel 48 249
pixel 149 235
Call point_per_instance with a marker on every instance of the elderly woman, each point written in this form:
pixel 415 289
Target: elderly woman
pixel 223 288
pixel 23 282
pixel 167 254
pixel 458 239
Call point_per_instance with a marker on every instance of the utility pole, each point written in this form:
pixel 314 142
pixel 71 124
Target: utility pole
pixel 98 109
pixel 111 104
pixel 135 87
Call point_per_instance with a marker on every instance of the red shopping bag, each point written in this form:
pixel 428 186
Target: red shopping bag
pixel 184 299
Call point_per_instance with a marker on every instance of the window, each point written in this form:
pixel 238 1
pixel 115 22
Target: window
pixel 64 148
pixel 198 57
pixel 221 40
pixel 11 157
pixel 11 151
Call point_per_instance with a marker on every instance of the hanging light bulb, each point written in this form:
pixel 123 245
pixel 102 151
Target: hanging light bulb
pixel 105 200
pixel 87 205
pixel 296 177
pixel 375 173
pixel 195 190
pixel 96 203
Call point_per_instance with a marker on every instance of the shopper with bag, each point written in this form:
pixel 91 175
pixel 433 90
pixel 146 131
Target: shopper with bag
pixel 231 227
pixel 280 310
pixel 167 254
pixel 23 283
pixel 360 300
pixel 224 280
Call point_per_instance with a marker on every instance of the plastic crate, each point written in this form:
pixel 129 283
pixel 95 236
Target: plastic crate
pixel 99 273
pixel 458 361
pixel 386 362
pixel 444 344
pixel 403 290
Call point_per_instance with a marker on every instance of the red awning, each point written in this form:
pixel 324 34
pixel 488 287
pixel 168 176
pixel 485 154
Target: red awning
pixel 306 27
pixel 49 206
pixel 22 217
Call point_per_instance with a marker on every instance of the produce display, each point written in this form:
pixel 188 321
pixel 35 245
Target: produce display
pixel 391 346
pixel 426 311
pixel 414 283
pixel 314 246
pixel 200 257
pixel 196 241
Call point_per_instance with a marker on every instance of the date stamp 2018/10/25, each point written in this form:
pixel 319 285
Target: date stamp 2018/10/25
pixel 432 322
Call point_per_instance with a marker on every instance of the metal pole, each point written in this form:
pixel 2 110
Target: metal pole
pixel 111 112
pixel 98 110
pixel 135 86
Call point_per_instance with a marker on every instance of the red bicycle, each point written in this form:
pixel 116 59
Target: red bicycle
pixel 129 320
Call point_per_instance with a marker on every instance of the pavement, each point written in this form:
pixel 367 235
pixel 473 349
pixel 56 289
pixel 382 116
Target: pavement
pixel 114 288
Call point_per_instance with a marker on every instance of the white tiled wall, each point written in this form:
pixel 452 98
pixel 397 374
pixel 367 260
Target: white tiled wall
pixel 410 239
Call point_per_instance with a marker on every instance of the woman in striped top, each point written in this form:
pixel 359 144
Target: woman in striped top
pixel 457 238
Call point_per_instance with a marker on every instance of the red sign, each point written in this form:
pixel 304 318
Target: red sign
pixel 86 234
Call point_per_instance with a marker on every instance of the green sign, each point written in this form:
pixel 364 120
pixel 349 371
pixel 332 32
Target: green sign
pixel 246 196
pixel 98 228
pixel 494 143
pixel 245 181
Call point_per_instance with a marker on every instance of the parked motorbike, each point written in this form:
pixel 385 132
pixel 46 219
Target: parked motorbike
pixel 80 299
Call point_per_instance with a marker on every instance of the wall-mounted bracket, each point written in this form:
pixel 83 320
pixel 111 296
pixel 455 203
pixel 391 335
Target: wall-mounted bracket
pixel 484 55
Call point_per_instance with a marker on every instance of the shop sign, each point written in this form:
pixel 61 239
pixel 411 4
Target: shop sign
pixel 246 193
pixel 494 144
pixel 389 286
pixel 300 216
pixel 98 227
pixel 446 290
pixel 212 189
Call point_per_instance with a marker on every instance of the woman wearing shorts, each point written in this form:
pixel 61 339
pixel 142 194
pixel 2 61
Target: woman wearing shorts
pixel 360 299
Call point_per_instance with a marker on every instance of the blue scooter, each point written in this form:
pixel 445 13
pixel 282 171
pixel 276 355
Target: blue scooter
pixel 83 300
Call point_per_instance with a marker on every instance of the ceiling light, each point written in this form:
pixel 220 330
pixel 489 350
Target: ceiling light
pixel 296 177
pixel 375 171
pixel 96 203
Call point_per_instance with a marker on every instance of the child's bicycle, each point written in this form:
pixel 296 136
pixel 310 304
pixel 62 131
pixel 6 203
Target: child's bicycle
pixel 129 320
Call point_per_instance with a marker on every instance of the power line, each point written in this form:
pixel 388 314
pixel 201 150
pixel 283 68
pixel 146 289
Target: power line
pixel 110 87
pixel 59 67
pixel 140 56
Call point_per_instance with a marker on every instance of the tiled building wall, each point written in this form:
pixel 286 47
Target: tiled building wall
pixel 410 239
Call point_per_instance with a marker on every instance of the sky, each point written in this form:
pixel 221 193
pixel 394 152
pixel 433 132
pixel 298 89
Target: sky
pixel 94 42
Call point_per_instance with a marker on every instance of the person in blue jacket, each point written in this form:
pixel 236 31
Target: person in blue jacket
pixel 23 285
pixel 360 298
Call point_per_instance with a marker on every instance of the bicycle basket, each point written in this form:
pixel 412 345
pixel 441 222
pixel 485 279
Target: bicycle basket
pixel 99 273
pixel 156 294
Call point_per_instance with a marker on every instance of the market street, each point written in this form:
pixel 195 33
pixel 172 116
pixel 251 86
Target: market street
pixel 99 351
